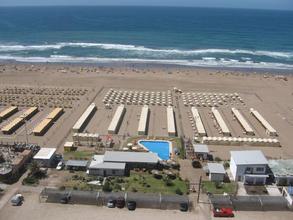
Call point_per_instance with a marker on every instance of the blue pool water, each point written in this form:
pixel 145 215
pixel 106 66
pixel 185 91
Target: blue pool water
pixel 159 147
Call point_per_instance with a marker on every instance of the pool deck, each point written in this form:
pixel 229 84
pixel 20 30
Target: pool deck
pixel 170 146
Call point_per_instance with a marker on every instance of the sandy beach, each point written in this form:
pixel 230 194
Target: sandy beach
pixel 270 94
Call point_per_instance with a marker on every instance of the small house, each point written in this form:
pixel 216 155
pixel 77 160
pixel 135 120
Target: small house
pixel 201 151
pixel 80 165
pixel 45 157
pixel 216 171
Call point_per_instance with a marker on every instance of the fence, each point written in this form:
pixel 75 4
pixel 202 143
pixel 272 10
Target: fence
pixel 251 203
pixel 143 200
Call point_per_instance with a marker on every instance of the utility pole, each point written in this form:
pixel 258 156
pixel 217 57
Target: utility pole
pixel 199 186
pixel 26 136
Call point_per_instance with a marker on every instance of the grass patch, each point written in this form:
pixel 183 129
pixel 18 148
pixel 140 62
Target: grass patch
pixel 78 155
pixel 79 181
pixel 147 183
pixel 212 187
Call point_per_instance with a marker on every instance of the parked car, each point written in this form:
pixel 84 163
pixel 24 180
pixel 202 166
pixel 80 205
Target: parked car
pixel 17 200
pixel 223 212
pixel 65 199
pixel 131 205
pixel 183 207
pixel 111 203
pixel 120 203
pixel 60 165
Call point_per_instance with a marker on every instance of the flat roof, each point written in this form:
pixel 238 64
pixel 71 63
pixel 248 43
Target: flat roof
pixel 198 122
pixel 248 157
pixel 77 163
pixel 108 165
pixel 171 120
pixel 68 144
pixel 53 114
pixel 242 121
pixel 263 121
pixel 220 121
pixel 96 159
pixel 200 148
pixel 42 125
pixel 116 118
pixel 29 112
pixel 7 111
pixel 142 125
pixel 15 122
pixel 45 153
pixel 281 167
pixel 216 168
pixel 130 157
pixel 84 117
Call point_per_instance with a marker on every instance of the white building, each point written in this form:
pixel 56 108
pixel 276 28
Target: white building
pixel 99 167
pixel 249 166
pixel 45 157
pixel 216 172
pixel 201 151
pixel 119 163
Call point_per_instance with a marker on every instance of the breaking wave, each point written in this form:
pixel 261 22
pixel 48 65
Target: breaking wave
pixel 142 49
pixel 205 62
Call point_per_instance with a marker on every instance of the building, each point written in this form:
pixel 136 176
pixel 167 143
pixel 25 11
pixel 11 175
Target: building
pixel 132 159
pixel 171 124
pixel 11 171
pixel 117 120
pixel 45 157
pixel 216 171
pixel 282 171
pixel 223 126
pixel 69 146
pixel 119 163
pixel 84 118
pixel 99 168
pixel 269 129
pixel 143 121
pixel 76 165
pixel 249 166
pixel 201 151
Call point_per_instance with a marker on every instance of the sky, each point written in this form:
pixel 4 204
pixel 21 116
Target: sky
pixel 257 4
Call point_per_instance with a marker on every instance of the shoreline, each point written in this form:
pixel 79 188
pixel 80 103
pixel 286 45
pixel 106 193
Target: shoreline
pixel 142 66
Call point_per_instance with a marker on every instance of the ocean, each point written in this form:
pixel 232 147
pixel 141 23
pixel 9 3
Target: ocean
pixel 201 37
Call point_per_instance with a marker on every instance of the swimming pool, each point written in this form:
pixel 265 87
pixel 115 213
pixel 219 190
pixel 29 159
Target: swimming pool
pixel 162 148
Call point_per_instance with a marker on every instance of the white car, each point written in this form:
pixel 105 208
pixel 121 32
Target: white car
pixel 17 200
pixel 60 166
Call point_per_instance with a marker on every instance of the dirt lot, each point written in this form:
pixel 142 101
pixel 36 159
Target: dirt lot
pixel 32 209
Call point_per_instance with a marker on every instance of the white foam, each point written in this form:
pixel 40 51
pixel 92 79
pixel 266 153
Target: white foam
pixel 199 63
pixel 142 49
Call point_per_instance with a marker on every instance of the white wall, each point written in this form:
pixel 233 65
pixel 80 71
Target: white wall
pixel 233 169
pixel 239 170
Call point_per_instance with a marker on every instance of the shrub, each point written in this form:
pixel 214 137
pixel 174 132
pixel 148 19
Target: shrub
pixel 226 165
pixel 30 180
pixel 168 181
pixel 178 191
pixel 107 187
pixel 133 189
pixel 218 159
pixel 196 164
pixel 117 187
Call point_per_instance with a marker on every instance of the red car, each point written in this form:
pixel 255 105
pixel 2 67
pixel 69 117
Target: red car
pixel 223 212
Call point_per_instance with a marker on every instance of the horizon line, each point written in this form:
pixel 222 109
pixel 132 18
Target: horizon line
pixel 150 6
